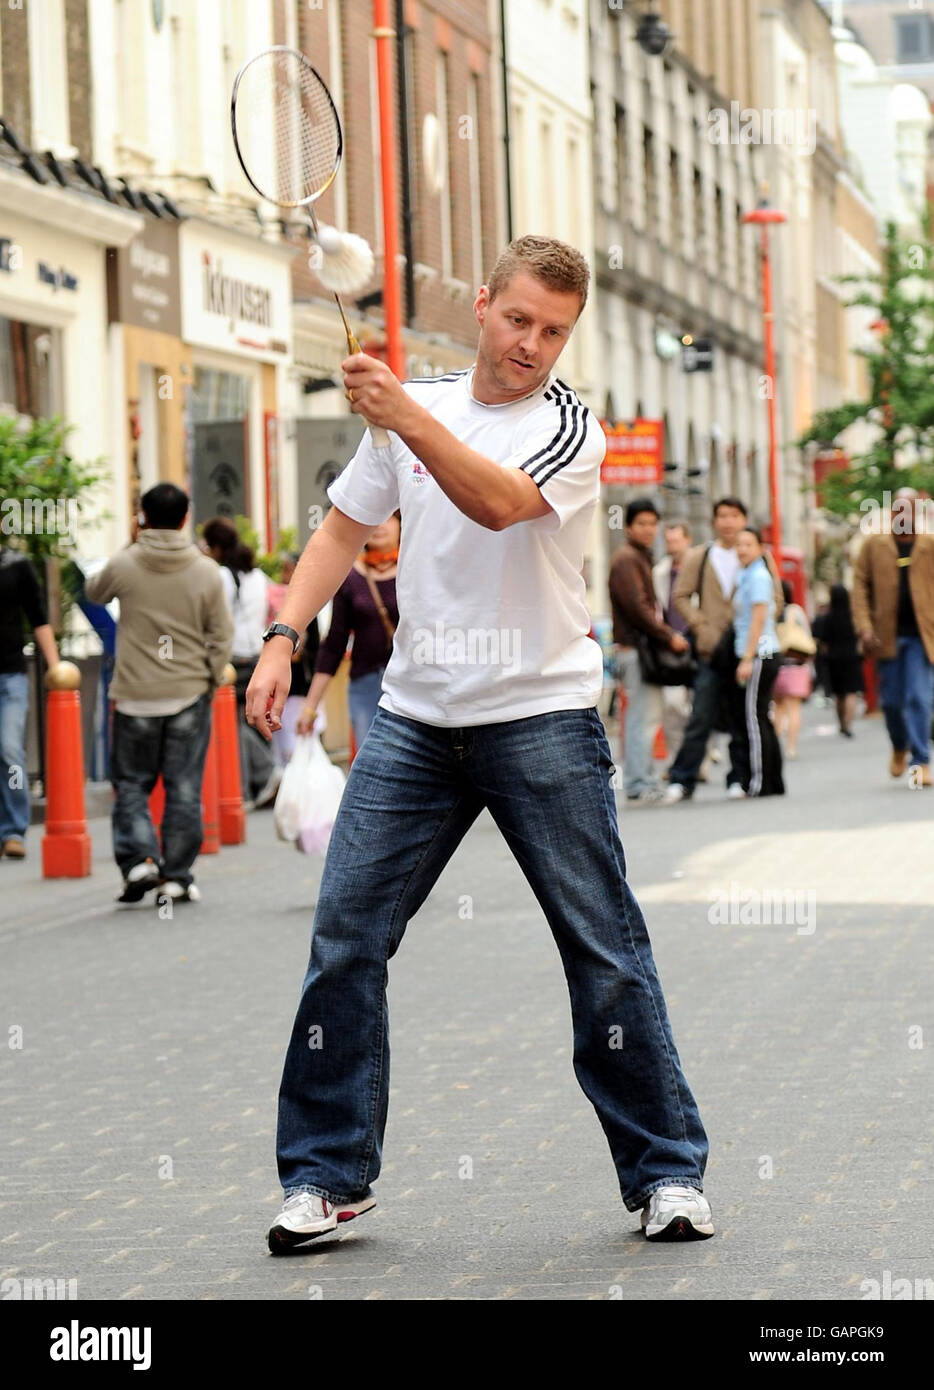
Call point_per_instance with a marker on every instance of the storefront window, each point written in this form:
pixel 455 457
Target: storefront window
pixel 219 442
pixel 29 382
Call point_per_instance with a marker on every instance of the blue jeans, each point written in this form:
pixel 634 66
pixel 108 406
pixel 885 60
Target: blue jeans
pixel 643 715
pixel 144 746
pixel 907 682
pixel 363 695
pixel 412 793
pixel 14 784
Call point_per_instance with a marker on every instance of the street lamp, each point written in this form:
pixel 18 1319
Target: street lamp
pixel 653 34
pixel 764 217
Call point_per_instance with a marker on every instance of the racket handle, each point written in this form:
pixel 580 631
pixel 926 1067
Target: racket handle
pixel 379 437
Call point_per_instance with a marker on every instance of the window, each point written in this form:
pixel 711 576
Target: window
pixel 29 369
pixel 546 182
pixel 473 157
pixel 674 201
pixel 441 107
pixel 621 162
pixel 648 173
pixel 914 38
pixel 48 76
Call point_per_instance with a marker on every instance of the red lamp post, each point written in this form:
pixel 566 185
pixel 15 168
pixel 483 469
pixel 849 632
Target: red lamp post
pixel 384 33
pixel 764 217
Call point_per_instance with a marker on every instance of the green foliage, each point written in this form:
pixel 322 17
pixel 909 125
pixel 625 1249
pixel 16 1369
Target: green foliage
pixel 44 491
pixel 900 405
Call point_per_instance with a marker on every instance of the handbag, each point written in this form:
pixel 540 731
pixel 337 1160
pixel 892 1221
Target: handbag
pixel 661 666
pixel 794 640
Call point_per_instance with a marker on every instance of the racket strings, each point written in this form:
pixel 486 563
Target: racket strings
pixel 288 129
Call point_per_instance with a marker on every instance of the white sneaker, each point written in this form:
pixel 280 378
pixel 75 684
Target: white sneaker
pixel 305 1215
pixel 674 792
pixel 677 1213
pixel 177 892
pixel 735 792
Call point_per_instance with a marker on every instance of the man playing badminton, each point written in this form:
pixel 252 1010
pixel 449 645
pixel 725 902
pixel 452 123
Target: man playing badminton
pixel 488 702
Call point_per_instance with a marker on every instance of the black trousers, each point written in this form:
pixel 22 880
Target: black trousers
pixel 759 752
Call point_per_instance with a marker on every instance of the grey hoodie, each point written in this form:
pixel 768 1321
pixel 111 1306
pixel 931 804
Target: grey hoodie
pixel 175 630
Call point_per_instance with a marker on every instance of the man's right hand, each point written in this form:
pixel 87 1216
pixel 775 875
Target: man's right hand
pixel 269 687
pixel 678 643
pixel 868 639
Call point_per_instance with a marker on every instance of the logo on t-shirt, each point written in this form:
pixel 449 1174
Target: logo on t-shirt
pixel 420 473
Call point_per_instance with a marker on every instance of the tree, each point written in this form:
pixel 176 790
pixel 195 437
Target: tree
pixel 900 405
pixel 43 492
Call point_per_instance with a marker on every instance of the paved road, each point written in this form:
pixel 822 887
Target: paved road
pixel 137 1139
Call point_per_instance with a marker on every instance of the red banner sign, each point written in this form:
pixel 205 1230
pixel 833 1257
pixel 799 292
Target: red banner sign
pixel 634 452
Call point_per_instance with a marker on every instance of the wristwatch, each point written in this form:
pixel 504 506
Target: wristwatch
pixel 283 630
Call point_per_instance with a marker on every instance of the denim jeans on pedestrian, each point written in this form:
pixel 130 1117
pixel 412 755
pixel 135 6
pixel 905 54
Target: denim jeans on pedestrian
pixel 144 746
pixel 907 682
pixel 363 695
pixel 14 784
pixel 709 697
pixel 643 715
pixel 412 793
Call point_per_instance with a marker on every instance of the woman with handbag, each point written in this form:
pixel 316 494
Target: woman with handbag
pixel 365 609
pixel 756 647
pixel 793 683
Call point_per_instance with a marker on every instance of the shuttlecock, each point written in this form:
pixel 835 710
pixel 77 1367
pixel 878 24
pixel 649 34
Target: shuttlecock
pixel 344 262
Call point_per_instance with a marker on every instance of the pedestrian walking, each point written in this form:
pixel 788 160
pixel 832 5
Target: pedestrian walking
pixel 756 647
pixel 365 612
pixel 676 699
pixel 173 641
pixel 838 643
pixel 21 600
pixel 489 701
pixel 893 610
pixel 704 597
pixel 637 619
pixel 793 684
pixel 245 589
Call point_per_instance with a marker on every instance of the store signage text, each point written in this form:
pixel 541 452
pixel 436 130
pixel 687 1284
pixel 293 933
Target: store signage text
pixel 634 452
pixel 60 279
pixel 234 299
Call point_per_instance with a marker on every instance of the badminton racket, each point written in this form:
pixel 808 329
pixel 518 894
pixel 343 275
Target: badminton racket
pixel 288 139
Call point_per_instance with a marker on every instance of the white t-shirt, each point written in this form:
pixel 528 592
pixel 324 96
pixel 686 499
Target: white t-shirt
pixel 493 625
pixel 726 567
pixel 248 607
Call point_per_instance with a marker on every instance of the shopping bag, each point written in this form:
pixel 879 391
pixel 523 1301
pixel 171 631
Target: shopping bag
pixel 320 797
pixel 289 797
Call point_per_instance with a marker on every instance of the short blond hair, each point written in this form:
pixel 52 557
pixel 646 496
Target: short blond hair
pixel 558 266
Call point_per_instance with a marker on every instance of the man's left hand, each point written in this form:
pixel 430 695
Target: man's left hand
pixel 374 391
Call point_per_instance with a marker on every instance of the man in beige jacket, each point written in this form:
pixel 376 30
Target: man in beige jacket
pixel 893 612
pixel 173 640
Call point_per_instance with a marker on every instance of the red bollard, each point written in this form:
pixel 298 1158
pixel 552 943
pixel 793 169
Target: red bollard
pixel 210 798
pixel 66 844
pixel 224 715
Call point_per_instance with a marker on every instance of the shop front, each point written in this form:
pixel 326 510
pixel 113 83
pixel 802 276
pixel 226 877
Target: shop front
pixel 237 324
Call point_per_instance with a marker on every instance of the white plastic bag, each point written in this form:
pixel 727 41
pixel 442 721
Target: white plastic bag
pixel 318 798
pixel 289 796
